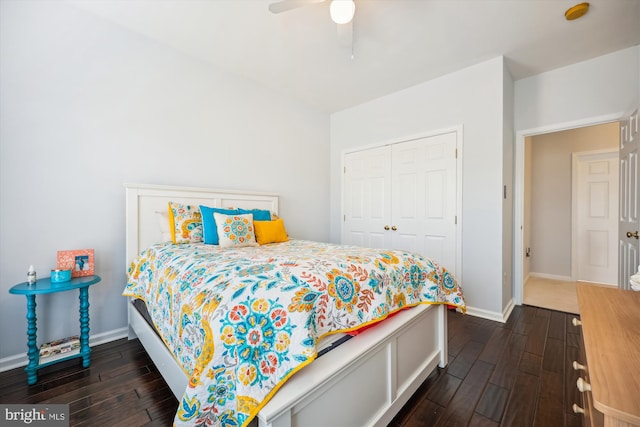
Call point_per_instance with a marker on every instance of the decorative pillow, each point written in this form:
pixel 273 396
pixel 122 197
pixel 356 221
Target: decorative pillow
pixel 258 214
pixel 210 230
pixel 165 229
pixel 235 230
pixel 185 222
pixel 270 231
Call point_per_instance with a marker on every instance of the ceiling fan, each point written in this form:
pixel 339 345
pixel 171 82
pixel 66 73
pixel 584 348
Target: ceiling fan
pixel 341 12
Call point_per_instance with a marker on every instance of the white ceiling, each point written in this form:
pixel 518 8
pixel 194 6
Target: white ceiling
pixel 396 43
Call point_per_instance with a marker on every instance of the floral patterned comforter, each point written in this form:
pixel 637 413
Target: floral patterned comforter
pixel 241 321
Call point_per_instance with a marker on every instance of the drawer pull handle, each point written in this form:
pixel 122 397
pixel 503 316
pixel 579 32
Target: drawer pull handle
pixel 577 409
pixel 578 367
pixel 583 385
pixel 576 322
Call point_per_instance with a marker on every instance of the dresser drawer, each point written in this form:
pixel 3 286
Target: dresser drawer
pixel 591 417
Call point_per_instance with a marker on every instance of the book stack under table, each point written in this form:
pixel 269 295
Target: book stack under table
pixel 59 349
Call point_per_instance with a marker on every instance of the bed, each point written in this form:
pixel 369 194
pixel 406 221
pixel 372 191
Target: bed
pixel 363 381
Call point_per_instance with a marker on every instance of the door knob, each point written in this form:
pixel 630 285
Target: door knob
pixel 394 228
pixel 386 227
pixel 630 234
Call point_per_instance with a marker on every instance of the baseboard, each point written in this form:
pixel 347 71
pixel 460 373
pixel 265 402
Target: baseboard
pixel 552 277
pixel 506 313
pixel 492 315
pixel 18 360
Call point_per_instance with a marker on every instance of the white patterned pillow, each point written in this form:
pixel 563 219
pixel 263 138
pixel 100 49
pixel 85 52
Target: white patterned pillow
pixel 185 223
pixel 235 230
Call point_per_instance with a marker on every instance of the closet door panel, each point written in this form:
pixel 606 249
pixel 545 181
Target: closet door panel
pixel 367 198
pixel 424 197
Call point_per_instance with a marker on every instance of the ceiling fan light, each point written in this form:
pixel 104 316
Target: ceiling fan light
pixel 342 11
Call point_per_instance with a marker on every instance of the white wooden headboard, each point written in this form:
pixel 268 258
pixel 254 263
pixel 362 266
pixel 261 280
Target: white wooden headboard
pixel 144 201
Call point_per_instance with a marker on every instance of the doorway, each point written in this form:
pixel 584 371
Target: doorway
pixel 543 242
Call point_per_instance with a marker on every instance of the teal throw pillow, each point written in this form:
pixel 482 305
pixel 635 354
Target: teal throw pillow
pixel 209 227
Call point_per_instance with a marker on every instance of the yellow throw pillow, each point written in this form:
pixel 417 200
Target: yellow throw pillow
pixel 270 231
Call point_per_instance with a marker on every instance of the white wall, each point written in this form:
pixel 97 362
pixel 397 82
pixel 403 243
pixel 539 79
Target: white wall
pixel 599 87
pixel 86 106
pixel 473 98
pixel 507 180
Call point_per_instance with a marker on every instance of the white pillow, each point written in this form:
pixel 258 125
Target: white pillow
pixel 163 221
pixel 235 230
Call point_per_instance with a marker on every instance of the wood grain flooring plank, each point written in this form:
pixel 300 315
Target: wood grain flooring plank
pixel 480 421
pixel 543 312
pixel 493 402
pixel 444 390
pixel 457 342
pixel 462 406
pixel 465 359
pixel 550 408
pixel 495 346
pixel 107 412
pixel 537 336
pixel 513 318
pixel 163 410
pixel 522 402
pixel 420 394
pixel 506 370
pixel 554 357
pixel 530 363
pixel 557 325
pixel 426 413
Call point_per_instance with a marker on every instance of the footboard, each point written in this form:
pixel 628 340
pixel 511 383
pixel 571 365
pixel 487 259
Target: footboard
pixel 368 379
pixel 363 382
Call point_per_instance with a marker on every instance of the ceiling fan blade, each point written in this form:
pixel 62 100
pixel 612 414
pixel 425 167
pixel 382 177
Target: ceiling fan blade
pixel 285 5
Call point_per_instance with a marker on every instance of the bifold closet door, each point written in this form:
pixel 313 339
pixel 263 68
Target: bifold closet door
pixel 403 196
pixel 423 201
pixel 367 198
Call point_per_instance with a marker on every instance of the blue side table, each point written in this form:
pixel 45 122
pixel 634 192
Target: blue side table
pixel 44 286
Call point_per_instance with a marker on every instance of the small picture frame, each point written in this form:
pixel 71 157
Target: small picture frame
pixel 79 261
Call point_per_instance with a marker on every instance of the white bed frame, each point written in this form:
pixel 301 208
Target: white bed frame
pixel 363 382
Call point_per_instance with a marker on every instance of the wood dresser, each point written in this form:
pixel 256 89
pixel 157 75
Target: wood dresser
pixel 610 381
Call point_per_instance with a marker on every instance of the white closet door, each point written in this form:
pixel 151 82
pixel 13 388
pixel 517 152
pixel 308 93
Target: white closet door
pixel 424 197
pixel 367 196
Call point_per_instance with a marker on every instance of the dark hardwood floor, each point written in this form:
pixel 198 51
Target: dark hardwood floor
pixel 512 374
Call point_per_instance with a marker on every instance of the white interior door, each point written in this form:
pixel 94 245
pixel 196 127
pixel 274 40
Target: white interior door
pixel 424 197
pixel 597 217
pixel 629 223
pixel 367 198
